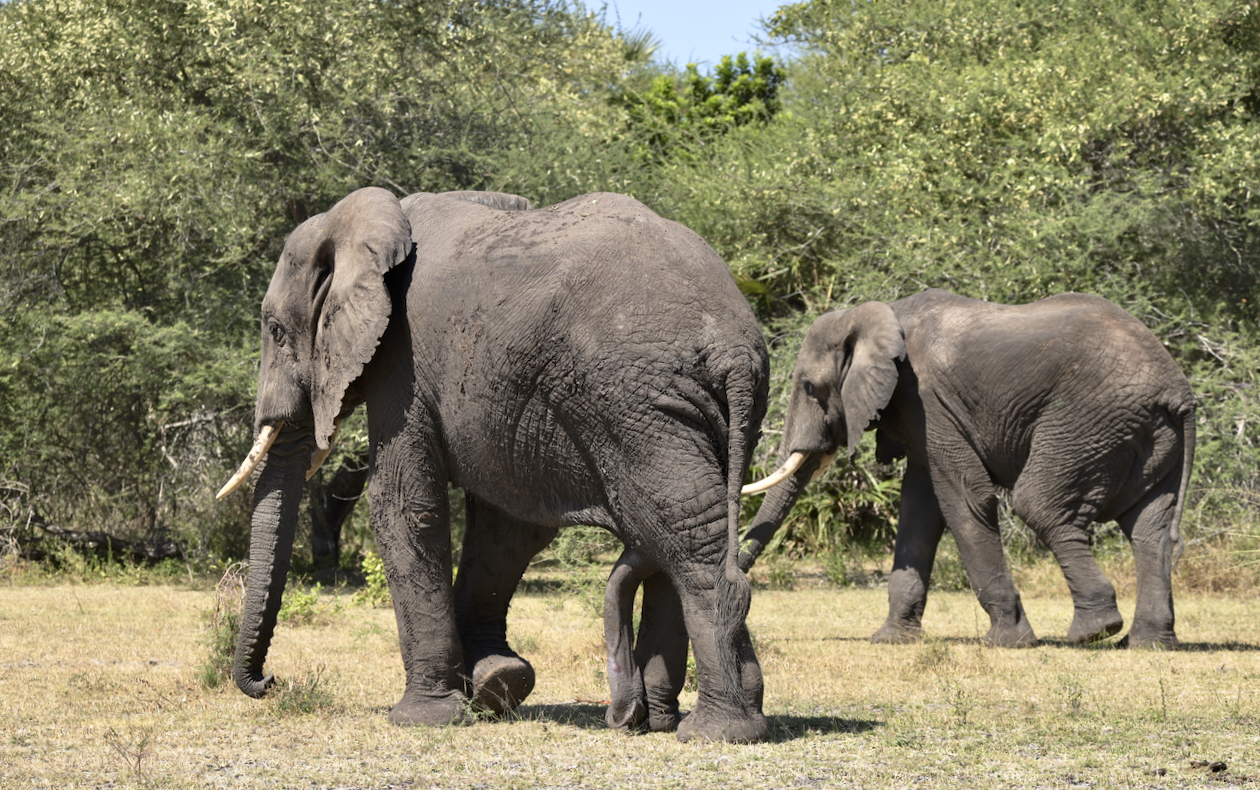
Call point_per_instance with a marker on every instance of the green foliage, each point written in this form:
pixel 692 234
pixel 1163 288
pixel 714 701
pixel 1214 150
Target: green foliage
pixel 836 568
pixel 582 553
pixel 375 589
pixel 303 604
pixel 154 157
pixel 780 573
pixel 578 546
pixel 673 116
pixel 117 420
pixel 993 148
pixel 305 695
pixel 948 572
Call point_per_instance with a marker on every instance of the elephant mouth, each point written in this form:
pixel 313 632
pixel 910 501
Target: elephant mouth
pixel 262 445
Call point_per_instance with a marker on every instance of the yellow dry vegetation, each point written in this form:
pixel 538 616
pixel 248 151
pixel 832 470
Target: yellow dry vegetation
pixel 98 687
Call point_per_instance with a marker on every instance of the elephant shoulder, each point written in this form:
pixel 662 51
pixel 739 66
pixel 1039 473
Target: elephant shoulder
pixel 1074 301
pixel 502 201
pixel 932 305
pixel 933 317
pixel 603 204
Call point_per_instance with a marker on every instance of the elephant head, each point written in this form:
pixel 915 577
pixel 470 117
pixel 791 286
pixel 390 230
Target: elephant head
pixel 322 317
pixel 845 374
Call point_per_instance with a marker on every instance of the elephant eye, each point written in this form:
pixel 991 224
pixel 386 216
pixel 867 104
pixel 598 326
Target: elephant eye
pixel 277 332
pixel 808 386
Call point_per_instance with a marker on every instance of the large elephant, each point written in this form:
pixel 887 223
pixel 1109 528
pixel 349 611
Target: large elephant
pixel 1070 403
pixel 586 363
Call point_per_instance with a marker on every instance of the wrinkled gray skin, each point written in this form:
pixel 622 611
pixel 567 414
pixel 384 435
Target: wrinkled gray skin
pixel 1070 403
pixel 646 677
pixel 588 363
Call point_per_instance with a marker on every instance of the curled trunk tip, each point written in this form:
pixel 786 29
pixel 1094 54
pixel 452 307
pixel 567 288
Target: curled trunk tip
pixel 253 682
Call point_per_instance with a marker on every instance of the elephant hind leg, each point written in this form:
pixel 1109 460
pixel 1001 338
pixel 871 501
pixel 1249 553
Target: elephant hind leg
pixel 919 531
pixel 1148 526
pixel 661 652
pixel 1094 613
pixel 1060 517
pixel 497 551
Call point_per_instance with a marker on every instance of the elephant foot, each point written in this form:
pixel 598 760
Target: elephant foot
pixel 1149 638
pixel 664 719
pixel 699 727
pixel 1094 626
pixel 631 717
pixel 416 709
pixel 1004 633
pixel 500 683
pixel 894 632
pixel 636 716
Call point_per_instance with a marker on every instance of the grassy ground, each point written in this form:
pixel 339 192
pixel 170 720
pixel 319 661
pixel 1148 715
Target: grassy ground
pixel 98 688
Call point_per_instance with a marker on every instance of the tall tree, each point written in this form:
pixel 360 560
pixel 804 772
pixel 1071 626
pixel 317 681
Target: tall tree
pixel 154 157
pixel 1009 150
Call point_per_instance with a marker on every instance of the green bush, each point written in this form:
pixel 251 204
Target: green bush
pixel 375 589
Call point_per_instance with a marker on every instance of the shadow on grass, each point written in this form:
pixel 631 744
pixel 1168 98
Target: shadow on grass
pixel 590 716
pixel 585 715
pixel 1210 647
pixel 1053 642
pixel 1116 644
pixel 542 586
pixel 789 727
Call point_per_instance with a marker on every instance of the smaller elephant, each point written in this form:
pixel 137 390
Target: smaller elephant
pixel 1070 403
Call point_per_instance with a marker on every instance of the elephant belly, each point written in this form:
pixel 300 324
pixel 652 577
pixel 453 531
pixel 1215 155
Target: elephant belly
pixel 529 465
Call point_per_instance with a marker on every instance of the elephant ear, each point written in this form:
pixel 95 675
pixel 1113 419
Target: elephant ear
pixel 868 341
pixel 366 236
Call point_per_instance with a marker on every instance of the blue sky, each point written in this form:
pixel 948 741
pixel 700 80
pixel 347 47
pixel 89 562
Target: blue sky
pixel 700 31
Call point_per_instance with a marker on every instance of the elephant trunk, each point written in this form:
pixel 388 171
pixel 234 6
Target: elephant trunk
pixel 775 508
pixel 276 499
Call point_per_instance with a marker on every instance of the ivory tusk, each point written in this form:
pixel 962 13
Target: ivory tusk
pixel 793 463
pixel 320 456
pixel 266 438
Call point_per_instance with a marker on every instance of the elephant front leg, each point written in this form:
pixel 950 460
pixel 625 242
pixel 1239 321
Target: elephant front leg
pixel 496 553
pixel 919 531
pixel 971 513
pixel 411 517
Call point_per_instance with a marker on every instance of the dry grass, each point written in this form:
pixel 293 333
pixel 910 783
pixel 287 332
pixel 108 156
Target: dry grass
pixel 99 688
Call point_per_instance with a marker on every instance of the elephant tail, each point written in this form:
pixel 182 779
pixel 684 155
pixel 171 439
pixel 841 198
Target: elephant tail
pixel 734 593
pixel 1188 434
